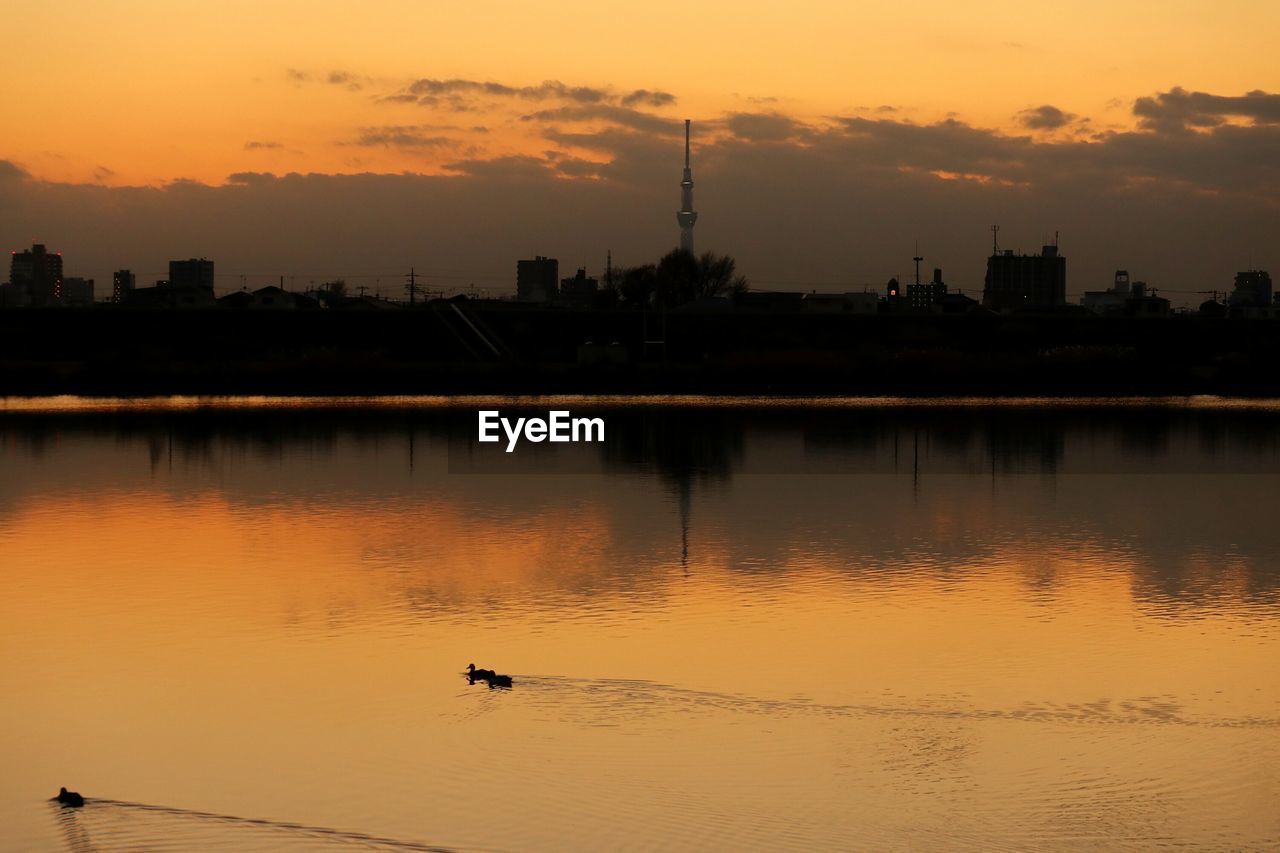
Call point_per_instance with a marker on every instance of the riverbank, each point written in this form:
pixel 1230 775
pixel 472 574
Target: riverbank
pixel 500 348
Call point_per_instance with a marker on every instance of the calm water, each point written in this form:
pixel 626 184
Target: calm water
pixel 746 626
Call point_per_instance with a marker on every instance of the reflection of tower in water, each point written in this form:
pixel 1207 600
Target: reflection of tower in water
pixel 686 504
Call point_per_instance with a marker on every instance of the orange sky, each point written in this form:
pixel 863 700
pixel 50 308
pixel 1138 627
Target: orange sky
pixel 148 92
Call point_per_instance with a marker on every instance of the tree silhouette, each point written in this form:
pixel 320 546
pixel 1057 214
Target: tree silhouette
pixel 637 285
pixel 679 278
pixel 683 278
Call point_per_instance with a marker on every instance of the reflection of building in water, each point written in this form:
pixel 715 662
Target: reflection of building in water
pixel 685 448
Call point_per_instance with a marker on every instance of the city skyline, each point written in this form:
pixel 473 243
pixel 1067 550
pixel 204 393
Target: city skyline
pixel 330 153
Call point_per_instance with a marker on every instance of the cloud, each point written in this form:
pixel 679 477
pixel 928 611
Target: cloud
pixel 250 178
pixel 515 167
pixel 462 95
pixel 647 98
pixel 762 127
pixel 833 204
pixel 575 167
pixel 430 91
pixel 1046 117
pixel 615 115
pixel 10 170
pixel 1178 110
pixel 337 77
pixel 402 136
pixel 261 145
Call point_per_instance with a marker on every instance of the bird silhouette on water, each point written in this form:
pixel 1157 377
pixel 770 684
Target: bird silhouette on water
pixel 69 798
pixel 488 676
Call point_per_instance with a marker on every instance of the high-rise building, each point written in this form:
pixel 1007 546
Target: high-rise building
pixel 1252 290
pixel 1036 282
pixel 537 280
pixel 37 274
pixel 686 216
pixel 194 272
pixel 122 283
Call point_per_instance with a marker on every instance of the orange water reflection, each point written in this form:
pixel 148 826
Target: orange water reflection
pixel 834 662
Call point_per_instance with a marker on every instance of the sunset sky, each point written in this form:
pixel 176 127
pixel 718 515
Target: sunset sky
pixel 139 131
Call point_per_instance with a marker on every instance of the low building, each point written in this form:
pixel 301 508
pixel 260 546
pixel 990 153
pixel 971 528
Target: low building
pixel 926 297
pixel 168 296
pixel 840 303
pixel 770 300
pixel 269 298
pixel 958 303
pixel 1144 304
pixel 579 291
pixel 76 291
pixel 1109 302
pixel 15 295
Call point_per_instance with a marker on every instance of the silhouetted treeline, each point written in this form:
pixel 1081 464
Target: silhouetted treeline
pixel 462 346
pixel 679 278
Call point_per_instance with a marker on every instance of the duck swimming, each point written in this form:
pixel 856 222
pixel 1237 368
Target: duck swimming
pixel 69 798
pixel 499 680
pixel 483 674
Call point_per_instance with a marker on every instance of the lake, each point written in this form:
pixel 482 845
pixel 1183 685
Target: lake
pixel 736 624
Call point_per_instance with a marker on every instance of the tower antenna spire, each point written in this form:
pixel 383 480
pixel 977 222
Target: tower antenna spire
pixel 686 215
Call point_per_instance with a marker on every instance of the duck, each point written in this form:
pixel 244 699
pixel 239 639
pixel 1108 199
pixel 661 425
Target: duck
pixel 69 798
pixel 499 680
pixel 484 674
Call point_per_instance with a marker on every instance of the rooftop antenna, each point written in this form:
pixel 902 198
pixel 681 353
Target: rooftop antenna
pixel 1055 239
pixel 995 242
pixel 917 259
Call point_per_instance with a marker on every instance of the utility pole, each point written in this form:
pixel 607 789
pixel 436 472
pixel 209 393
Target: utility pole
pixel 413 286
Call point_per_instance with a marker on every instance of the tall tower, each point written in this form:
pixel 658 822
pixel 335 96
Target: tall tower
pixel 686 217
